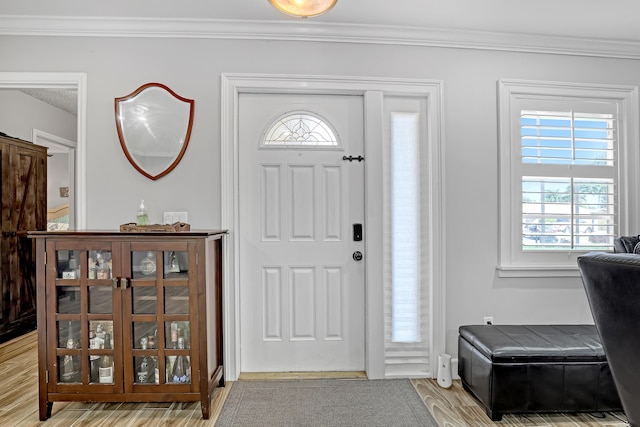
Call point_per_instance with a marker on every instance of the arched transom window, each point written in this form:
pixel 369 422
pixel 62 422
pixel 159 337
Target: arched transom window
pixel 301 128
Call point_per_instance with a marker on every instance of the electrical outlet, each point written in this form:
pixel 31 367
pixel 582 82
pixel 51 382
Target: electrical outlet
pixel 488 320
pixel 172 217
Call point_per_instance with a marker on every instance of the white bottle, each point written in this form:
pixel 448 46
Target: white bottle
pixel 142 218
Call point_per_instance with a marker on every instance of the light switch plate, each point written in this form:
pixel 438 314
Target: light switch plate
pixel 172 217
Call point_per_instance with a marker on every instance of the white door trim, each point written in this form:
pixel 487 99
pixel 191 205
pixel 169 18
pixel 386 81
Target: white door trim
pixel 373 90
pixel 54 142
pixel 75 81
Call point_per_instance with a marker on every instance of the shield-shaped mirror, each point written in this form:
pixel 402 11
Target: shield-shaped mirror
pixel 154 125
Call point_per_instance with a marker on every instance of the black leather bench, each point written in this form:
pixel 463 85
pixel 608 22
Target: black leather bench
pixel 536 368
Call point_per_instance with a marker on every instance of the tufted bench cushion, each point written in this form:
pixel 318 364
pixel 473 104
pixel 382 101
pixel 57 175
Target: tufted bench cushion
pixel 536 368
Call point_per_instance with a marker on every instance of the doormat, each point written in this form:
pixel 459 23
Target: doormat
pixel 324 402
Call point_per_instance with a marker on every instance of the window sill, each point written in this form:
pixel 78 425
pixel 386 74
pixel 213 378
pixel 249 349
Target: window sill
pixel 538 271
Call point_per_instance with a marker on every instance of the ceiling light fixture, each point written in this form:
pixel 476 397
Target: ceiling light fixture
pixel 303 8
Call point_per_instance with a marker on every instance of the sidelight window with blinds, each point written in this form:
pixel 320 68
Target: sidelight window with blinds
pixel 407 255
pixel 562 172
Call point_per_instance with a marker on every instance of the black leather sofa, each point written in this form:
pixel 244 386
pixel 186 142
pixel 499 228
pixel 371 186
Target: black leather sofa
pixel 626 244
pixel 612 284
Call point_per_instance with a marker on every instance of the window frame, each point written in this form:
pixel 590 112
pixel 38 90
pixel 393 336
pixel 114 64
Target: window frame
pixel 512 260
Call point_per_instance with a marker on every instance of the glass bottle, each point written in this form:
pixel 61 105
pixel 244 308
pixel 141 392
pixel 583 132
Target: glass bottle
pixel 106 363
pixel 94 359
pixel 174 267
pixel 72 268
pixel 102 272
pixel 94 264
pixel 168 366
pixel 148 264
pixel 153 370
pixel 174 334
pixel 143 372
pixel 70 366
pixel 181 371
pixel 100 332
pixel 171 360
pixel 71 336
pixel 70 372
pixel 142 218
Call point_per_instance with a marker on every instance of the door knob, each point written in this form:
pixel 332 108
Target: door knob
pixel 357 256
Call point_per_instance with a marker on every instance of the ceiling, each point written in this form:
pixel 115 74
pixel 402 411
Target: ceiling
pixel 64 99
pixel 611 20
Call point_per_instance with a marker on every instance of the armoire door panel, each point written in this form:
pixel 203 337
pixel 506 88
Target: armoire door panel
pixel 23 182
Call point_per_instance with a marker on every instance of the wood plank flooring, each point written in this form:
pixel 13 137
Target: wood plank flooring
pixel 455 407
pixel 19 402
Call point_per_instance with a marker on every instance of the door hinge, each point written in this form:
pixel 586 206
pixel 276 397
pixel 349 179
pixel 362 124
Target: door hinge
pixel 46 376
pixel 45 258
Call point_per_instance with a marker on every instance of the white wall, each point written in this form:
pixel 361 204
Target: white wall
pixel 57 176
pixel 21 113
pixel 192 68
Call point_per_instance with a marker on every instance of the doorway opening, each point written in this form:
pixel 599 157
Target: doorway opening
pixel 19 81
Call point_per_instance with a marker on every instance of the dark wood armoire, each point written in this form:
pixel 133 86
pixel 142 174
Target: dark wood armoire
pixel 23 182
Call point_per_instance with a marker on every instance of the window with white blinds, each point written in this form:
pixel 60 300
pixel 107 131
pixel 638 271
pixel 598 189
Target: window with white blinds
pixel 562 174
pixel 568 180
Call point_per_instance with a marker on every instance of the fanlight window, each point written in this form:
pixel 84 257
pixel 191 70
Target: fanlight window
pixel 300 129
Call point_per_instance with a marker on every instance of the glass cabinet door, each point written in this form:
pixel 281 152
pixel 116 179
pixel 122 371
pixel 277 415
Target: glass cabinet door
pixel 83 315
pixel 158 320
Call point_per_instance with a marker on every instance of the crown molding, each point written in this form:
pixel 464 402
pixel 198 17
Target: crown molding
pixel 22 25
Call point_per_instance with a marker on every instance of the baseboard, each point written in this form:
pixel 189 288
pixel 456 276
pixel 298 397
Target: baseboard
pixel 454 369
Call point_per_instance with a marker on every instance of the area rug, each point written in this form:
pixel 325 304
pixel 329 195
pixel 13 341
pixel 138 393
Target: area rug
pixel 324 402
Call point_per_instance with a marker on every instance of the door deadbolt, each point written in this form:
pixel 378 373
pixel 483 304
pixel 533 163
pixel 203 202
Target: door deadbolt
pixel 357 256
pixel 357 232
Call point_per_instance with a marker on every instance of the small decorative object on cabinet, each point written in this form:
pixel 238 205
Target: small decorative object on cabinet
pixel 112 329
pixel 23 183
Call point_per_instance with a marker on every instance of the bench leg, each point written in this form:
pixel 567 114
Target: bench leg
pixel 495 416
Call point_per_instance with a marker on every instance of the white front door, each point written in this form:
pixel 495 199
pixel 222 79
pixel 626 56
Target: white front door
pixel 301 290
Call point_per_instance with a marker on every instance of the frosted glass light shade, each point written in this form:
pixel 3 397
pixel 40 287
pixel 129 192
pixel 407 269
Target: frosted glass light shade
pixel 303 8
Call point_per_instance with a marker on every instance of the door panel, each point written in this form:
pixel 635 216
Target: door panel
pixel 301 293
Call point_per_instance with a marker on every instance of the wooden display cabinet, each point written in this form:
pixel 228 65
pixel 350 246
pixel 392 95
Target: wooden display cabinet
pixel 129 317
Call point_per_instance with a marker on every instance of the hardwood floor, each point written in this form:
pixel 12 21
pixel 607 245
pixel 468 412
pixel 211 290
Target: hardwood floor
pixel 455 407
pixel 19 403
pixel 19 399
